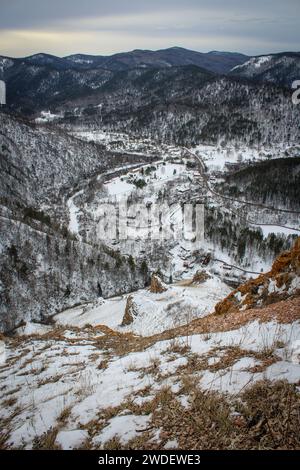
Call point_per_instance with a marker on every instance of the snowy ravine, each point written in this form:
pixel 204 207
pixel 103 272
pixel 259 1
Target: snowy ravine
pixel 73 211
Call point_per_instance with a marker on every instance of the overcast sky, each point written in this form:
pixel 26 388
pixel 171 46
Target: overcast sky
pixel 103 27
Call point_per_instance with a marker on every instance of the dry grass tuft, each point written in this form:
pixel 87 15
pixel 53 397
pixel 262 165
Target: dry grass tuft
pixel 3 441
pixel 47 440
pixel 64 415
pixel 9 402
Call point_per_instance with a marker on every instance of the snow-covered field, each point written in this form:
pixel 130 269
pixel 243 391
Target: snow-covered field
pixel 161 173
pixel 106 312
pixel 216 157
pixel 277 229
pixel 47 116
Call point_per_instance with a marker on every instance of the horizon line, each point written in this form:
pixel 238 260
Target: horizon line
pixel 148 50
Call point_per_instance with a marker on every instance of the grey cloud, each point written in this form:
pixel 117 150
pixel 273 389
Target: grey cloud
pixel 26 13
pixel 190 23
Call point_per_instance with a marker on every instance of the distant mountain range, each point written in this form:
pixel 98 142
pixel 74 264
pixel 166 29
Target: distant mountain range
pixel 218 62
pixel 136 79
pixel 263 67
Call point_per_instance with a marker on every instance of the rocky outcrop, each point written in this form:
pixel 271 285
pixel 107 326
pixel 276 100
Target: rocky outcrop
pixel 200 277
pixel 157 286
pixel 131 311
pixel 282 282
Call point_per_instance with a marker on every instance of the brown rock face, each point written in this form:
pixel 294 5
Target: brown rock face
pixel 130 311
pixel 225 306
pixel 157 286
pixel 288 261
pixel 266 288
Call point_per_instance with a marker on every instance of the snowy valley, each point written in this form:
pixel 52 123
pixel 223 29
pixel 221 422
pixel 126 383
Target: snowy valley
pixel 163 338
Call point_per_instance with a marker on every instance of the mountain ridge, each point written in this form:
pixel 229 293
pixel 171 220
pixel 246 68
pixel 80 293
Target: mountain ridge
pixel 280 69
pixel 141 57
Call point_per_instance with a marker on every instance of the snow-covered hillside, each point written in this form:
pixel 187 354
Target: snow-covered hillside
pixel 94 388
pixel 154 313
pixel 280 69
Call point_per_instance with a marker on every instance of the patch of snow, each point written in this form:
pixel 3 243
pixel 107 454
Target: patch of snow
pixel 283 370
pixel 184 401
pixel 171 445
pixel 47 116
pixel 295 285
pixel 254 62
pixel 272 287
pixel 70 440
pixel 276 229
pixel 117 187
pixel 33 329
pixel 253 336
pixel 294 352
pixel 170 367
pixel 123 427
pixel 261 60
pixel 231 381
pixel 2 352
pixel 106 312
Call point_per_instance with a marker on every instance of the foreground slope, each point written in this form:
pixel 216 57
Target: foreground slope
pixel 222 382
